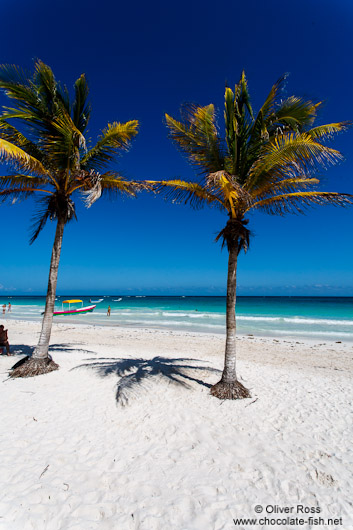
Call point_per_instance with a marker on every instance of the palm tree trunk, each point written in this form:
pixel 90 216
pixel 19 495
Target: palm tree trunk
pixel 41 351
pixel 229 387
pixel 41 362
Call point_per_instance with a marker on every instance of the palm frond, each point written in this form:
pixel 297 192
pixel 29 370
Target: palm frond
pixel 81 107
pixel 179 191
pixel 46 86
pixel 272 100
pixel 242 97
pixel 238 123
pixel 323 132
pixel 17 86
pixel 230 126
pixel 114 138
pixel 197 137
pixel 259 132
pixel 63 97
pixel 111 184
pixel 292 154
pixel 50 92
pixel 21 181
pixel 11 134
pixel 272 186
pixel 64 141
pixel 40 101
pixel 17 157
pixel 34 103
pixel 90 187
pixel 297 202
pixel 16 194
pixel 39 220
pixel 294 113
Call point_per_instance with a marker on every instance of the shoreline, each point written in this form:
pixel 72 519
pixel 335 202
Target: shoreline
pixel 280 336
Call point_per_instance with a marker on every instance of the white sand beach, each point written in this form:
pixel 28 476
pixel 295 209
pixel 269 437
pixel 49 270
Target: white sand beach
pixel 166 454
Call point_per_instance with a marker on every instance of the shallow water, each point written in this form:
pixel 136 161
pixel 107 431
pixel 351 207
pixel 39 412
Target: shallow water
pixel 293 317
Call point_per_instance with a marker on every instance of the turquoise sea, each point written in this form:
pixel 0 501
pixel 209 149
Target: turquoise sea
pixel 322 318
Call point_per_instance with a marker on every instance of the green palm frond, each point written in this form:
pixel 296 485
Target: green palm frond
pixel 197 137
pixel 81 107
pixel 238 118
pixel 294 113
pixel 40 102
pixel 114 138
pixel 242 97
pixel 272 100
pixel 46 85
pixel 34 103
pixel 297 202
pixel 48 152
pixel 50 93
pixel 230 126
pixel 64 142
pixel 17 85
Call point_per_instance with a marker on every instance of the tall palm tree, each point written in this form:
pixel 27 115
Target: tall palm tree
pixel 48 158
pixel 264 162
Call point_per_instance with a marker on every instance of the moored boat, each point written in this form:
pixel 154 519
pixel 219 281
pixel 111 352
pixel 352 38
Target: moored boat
pixel 75 310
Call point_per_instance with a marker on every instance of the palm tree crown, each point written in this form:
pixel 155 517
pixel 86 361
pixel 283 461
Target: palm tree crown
pixel 50 156
pixel 264 162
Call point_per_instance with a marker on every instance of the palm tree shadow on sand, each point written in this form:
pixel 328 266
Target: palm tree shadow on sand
pixel 134 372
pixel 23 349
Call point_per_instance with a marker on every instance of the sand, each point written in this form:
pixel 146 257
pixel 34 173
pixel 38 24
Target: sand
pixel 126 435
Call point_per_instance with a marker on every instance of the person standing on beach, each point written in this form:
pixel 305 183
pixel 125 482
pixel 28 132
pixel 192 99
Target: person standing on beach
pixel 4 341
pixel 3 309
pixel 9 308
pixel 109 310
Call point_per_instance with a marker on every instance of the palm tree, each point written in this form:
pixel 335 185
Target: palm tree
pixel 265 162
pixel 48 159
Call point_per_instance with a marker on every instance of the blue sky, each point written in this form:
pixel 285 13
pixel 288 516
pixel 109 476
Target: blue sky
pixel 142 60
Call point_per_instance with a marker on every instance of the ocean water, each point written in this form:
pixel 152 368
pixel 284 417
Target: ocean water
pixel 322 318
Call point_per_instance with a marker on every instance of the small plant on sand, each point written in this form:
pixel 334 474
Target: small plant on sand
pixel 264 162
pixel 47 157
